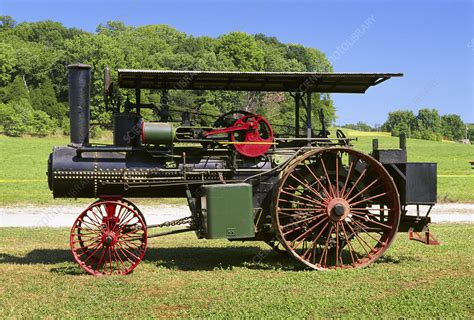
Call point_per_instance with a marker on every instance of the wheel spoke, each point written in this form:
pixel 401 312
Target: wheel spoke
pixel 300 209
pixel 302 198
pixel 356 183
pixel 364 228
pixel 337 244
pixel 347 180
pixel 348 243
pixel 363 190
pixel 326 247
pixel 308 187
pixel 302 237
pixel 315 240
pixel 337 175
pixel 318 181
pixel 359 239
pixel 302 221
pixel 295 203
pixel 369 198
pixel 358 215
pixel 331 190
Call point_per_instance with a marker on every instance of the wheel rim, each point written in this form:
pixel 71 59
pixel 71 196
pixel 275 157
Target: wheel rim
pixel 109 237
pixel 336 208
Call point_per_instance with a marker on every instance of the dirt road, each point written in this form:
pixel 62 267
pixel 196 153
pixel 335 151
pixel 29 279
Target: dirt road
pixel 64 216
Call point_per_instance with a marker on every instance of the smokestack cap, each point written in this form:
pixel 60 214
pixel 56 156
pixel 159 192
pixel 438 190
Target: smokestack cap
pixel 79 66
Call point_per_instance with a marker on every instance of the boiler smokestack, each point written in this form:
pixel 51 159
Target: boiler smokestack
pixel 79 80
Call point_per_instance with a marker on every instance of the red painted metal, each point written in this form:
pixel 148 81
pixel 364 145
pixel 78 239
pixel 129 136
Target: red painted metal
pixel 251 135
pixel 428 238
pixel 109 237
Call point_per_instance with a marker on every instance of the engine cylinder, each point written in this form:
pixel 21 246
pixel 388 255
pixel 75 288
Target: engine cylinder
pixel 158 133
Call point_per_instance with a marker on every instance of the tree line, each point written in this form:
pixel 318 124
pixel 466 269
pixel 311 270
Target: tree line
pixel 34 56
pixel 428 124
pixel 33 76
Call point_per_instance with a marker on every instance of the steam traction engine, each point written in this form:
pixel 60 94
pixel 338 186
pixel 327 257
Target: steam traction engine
pixel 307 195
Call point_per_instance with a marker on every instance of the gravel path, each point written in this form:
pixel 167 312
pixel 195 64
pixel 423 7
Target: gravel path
pixel 64 216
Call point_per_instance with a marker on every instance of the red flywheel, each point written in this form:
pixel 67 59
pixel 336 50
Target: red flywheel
pixel 255 139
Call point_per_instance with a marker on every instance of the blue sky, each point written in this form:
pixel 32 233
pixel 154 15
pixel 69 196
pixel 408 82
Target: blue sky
pixel 431 42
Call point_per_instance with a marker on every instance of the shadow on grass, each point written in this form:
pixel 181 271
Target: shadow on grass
pixel 185 258
pixel 179 258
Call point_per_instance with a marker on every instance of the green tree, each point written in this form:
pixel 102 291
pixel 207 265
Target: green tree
pixel 314 60
pixel 6 22
pixel 16 117
pixel 242 50
pixel 111 27
pixel 41 124
pixel 16 90
pixel 19 118
pixel 361 126
pixel 427 125
pixel 8 63
pixel 400 121
pixel 452 127
pixel 470 131
pixel 44 99
pixel 48 33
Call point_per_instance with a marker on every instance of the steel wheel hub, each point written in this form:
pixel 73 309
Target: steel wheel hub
pixel 338 209
pixel 109 239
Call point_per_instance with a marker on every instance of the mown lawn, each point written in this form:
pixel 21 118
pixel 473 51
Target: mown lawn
pixel 185 277
pixel 23 167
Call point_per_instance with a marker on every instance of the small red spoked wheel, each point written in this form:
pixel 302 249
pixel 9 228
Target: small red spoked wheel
pixel 255 141
pixel 109 237
pixel 336 208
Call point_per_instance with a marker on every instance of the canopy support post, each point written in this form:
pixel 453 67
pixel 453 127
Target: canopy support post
pixel 308 117
pixel 297 98
pixel 138 98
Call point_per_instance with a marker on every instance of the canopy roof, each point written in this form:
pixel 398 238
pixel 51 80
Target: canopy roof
pixel 251 81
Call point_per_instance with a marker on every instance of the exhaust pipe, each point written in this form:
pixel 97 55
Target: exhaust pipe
pixel 79 81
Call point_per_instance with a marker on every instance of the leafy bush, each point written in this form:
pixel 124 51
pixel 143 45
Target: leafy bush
pixel 19 118
pixel 41 124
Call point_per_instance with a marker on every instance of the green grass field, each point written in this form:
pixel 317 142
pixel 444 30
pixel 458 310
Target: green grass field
pixel 185 277
pixel 23 166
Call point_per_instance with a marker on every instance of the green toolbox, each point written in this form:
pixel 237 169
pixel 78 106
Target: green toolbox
pixel 227 211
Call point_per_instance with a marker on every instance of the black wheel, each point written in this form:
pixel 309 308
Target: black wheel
pixel 229 118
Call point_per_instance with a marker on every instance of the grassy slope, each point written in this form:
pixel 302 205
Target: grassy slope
pixel 455 176
pixel 23 166
pixel 38 279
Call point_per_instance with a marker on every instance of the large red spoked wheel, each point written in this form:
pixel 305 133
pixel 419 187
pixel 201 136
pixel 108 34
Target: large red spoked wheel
pixel 255 141
pixel 336 208
pixel 109 237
